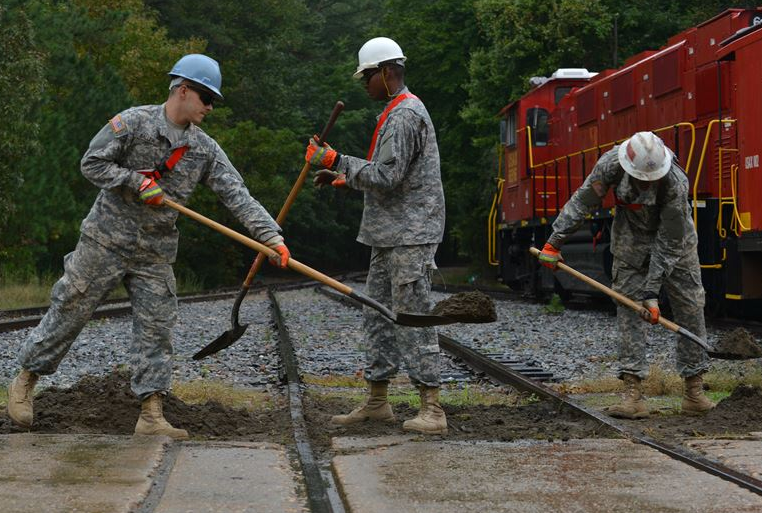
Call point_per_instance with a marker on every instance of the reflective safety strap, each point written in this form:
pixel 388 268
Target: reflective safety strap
pixel 383 117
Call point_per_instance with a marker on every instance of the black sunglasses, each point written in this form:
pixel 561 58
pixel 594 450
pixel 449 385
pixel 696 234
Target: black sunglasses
pixel 205 96
pixel 367 74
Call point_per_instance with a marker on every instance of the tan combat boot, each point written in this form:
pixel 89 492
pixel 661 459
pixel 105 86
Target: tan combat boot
pixel 152 421
pixel 431 418
pixel 20 398
pixel 633 406
pixel 376 407
pixel 694 400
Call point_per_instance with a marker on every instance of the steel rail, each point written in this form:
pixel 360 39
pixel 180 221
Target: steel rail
pixel 317 492
pixel 507 376
pixel 11 320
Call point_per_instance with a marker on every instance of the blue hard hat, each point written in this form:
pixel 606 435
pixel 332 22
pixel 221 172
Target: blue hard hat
pixel 200 69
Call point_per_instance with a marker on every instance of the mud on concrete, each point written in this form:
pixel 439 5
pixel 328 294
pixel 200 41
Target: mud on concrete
pixel 539 421
pixel 736 415
pixel 471 306
pixel 106 405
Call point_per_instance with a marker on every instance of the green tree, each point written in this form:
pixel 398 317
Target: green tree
pixel 21 79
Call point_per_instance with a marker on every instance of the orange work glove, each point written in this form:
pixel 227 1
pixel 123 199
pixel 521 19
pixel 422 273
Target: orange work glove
pixel 651 312
pixel 321 156
pixel 281 259
pixel 550 256
pixel 150 192
pixel 324 176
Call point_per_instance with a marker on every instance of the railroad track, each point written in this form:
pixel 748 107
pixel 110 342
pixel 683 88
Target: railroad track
pixel 324 498
pixel 504 374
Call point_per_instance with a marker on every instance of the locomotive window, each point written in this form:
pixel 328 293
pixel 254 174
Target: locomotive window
pixel 561 92
pixel 537 120
pixel 508 129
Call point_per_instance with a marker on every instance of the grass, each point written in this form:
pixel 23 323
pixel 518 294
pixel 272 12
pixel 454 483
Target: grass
pixel 203 391
pixel 661 382
pixel 401 392
pixel 36 292
pixel 3 396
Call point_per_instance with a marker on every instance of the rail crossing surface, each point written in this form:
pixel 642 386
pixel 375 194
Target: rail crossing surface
pixel 95 473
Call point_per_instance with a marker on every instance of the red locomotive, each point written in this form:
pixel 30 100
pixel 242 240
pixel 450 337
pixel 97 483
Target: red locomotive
pixel 702 94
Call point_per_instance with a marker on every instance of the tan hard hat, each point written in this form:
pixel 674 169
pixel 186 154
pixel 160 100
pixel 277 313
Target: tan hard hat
pixel 645 157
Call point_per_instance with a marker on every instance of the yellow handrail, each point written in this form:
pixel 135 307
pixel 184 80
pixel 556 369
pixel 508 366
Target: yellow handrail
pixel 701 165
pixel 492 224
pixel 619 141
pixel 736 216
pixel 492 218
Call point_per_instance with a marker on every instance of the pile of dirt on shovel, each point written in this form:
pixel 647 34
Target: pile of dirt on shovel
pixel 472 306
pixel 740 344
pixel 106 405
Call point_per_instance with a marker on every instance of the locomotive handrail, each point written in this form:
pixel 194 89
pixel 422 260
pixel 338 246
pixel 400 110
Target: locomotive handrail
pixel 492 224
pixel 736 215
pixel 724 200
pixel 492 219
pixel 701 165
pixel 598 149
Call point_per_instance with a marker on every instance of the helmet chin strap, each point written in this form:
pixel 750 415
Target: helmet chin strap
pixel 383 79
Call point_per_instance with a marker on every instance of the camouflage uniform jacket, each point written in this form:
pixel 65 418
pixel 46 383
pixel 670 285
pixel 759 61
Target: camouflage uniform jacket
pixel 404 199
pixel 135 140
pixel 660 229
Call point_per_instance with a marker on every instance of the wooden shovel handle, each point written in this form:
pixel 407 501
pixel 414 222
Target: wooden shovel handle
pixel 257 264
pixel 257 246
pixel 611 293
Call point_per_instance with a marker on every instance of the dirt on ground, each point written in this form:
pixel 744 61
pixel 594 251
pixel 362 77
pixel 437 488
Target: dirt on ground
pixel 538 421
pixel 736 415
pixel 471 306
pixel 738 344
pixel 106 405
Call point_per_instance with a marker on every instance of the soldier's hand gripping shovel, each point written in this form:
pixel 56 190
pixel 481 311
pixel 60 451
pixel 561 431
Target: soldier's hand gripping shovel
pixel 740 348
pixel 236 329
pixel 405 319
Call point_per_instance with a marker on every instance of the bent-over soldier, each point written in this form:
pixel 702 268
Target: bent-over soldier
pixel 654 244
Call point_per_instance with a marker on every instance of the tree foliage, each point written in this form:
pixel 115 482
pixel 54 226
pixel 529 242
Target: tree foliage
pixel 69 66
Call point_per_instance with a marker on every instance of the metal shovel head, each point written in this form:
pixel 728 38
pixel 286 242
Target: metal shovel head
pixel 227 339
pixel 422 320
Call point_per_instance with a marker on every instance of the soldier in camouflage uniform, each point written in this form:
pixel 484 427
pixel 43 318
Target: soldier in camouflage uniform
pixel 654 244
pixel 403 222
pixel 128 238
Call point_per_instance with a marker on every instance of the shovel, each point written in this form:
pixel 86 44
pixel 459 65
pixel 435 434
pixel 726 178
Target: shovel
pixel 404 319
pixel 733 350
pixel 236 329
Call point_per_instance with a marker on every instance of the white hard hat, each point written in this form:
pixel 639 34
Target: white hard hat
pixel 644 156
pixel 376 51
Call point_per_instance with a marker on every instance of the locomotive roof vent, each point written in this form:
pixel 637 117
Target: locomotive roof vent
pixel 578 73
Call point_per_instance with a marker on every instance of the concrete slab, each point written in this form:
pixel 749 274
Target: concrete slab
pixel 574 476
pixel 232 477
pixel 741 455
pixel 355 443
pixel 84 473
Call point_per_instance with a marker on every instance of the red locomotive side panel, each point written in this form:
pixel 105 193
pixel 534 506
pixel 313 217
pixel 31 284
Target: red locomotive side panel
pixel 746 83
pixel 701 94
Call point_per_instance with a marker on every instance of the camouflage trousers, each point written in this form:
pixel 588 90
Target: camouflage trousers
pixel 686 297
pixel 400 278
pixel 90 273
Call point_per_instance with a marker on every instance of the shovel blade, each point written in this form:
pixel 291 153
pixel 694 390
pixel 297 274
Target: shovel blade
pixel 422 320
pixel 227 339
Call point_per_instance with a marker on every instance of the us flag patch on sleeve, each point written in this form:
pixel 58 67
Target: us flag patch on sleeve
pixel 117 125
